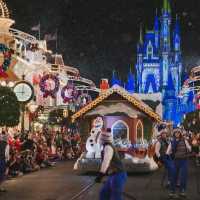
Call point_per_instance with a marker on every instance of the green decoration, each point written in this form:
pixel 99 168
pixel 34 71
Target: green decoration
pixel 9 108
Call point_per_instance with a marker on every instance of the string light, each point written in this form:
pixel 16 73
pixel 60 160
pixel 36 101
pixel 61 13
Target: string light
pixel 4 12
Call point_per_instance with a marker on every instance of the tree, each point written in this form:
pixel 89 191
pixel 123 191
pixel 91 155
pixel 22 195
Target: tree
pixel 9 108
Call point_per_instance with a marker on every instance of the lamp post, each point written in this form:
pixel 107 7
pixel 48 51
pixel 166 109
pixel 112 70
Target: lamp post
pixel 22 116
pixel 24 92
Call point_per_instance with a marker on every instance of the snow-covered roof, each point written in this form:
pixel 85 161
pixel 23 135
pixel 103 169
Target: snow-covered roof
pixel 141 106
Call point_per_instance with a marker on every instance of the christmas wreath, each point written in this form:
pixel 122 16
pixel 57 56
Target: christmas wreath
pixel 7 59
pixel 44 87
pixel 67 93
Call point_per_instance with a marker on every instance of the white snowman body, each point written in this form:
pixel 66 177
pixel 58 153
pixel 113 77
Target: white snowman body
pixel 93 146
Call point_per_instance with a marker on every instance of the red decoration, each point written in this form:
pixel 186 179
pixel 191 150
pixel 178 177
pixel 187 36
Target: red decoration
pixel 2 73
pixel 67 93
pixel 43 85
pixel 7 60
pixel 197 102
pixel 104 85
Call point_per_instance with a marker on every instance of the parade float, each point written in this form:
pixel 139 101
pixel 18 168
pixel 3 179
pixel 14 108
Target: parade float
pixel 132 124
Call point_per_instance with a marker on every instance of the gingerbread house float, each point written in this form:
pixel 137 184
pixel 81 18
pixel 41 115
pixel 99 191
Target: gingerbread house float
pixel 131 122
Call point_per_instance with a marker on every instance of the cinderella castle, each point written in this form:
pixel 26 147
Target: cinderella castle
pixel 159 67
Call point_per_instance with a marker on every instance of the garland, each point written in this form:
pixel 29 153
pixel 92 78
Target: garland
pixel 67 93
pixel 43 85
pixel 7 60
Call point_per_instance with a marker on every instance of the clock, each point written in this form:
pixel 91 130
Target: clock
pixel 24 91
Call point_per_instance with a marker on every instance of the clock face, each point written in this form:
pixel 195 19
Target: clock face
pixel 23 91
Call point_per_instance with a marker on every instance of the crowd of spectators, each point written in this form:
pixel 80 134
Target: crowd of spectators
pixel 195 141
pixel 32 151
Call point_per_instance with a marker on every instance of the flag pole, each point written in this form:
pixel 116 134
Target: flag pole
pixel 39 31
pixel 56 40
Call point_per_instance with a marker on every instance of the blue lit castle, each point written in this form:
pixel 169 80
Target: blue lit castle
pixel 159 66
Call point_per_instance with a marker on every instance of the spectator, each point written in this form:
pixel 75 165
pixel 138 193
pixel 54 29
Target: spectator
pixel 31 151
pixel 179 148
pixel 4 157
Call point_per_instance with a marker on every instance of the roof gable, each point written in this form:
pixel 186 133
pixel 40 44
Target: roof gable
pixel 120 92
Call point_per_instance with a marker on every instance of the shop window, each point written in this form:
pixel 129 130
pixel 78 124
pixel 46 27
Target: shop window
pixel 120 130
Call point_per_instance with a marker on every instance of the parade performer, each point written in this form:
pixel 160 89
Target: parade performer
pixel 160 152
pixel 113 166
pixel 4 158
pixel 179 148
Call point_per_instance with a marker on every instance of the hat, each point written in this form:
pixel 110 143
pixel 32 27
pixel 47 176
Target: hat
pixel 175 130
pixel 159 133
pixel 106 136
pixel 165 130
pixel 161 128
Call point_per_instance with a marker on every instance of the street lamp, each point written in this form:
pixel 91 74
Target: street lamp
pixel 11 84
pixel 3 83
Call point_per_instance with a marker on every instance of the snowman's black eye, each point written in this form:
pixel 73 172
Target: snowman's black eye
pixel 91 140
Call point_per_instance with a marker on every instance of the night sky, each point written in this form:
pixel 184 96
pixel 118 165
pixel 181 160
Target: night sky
pixel 98 36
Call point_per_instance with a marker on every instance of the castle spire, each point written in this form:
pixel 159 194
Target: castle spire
pixel 169 7
pixel 141 34
pixel 176 37
pixel 4 12
pixel 165 5
pixel 156 22
pixel 130 85
pixel 115 80
pixel 177 25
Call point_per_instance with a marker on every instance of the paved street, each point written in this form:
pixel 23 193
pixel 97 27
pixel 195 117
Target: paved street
pixel 61 183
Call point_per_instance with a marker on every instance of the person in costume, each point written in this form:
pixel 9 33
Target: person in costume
pixel 160 151
pixel 179 148
pixel 112 165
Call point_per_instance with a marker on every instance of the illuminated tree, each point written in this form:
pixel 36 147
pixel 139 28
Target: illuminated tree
pixel 9 108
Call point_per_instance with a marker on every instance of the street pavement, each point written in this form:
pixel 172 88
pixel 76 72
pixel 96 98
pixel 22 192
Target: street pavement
pixel 62 183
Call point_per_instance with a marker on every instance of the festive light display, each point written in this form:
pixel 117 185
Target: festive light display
pixel 84 99
pixel 48 91
pixel 67 93
pixel 9 107
pixel 4 10
pixel 141 106
pixel 7 60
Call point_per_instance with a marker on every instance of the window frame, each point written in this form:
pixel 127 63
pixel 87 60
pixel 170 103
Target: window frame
pixel 139 122
pixel 123 122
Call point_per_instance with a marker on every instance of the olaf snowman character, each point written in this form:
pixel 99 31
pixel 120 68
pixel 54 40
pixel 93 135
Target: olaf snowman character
pixel 92 145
